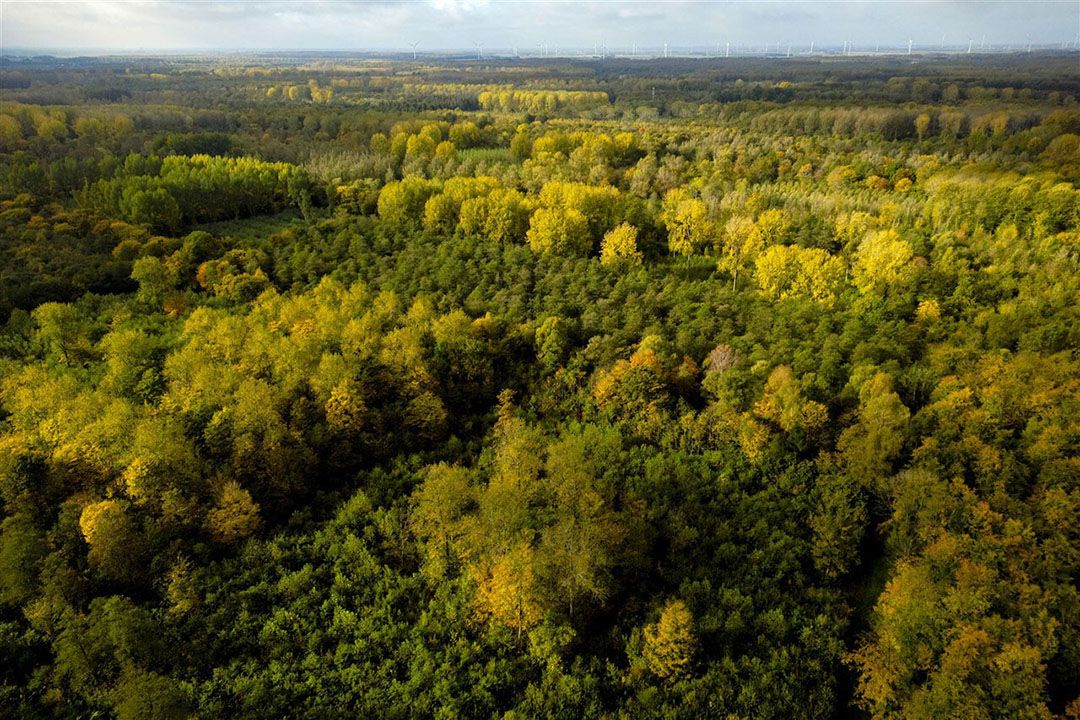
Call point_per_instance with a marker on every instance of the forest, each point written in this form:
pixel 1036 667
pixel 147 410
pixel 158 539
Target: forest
pixel 338 386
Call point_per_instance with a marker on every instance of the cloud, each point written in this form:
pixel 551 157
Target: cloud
pixel 444 24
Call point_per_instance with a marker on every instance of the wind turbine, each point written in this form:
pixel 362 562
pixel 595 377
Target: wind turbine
pixel 665 50
pixel 413 46
pixel 970 43
pixel 909 46
pixel 479 50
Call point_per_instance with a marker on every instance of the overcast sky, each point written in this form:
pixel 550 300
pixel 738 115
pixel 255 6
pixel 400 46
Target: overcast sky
pixel 445 24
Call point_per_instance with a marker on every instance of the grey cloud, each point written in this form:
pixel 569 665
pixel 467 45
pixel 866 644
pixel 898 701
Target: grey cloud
pixel 390 24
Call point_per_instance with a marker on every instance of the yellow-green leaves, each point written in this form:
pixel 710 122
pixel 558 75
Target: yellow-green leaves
pixel 783 403
pixel 116 544
pixel 874 440
pixel 234 516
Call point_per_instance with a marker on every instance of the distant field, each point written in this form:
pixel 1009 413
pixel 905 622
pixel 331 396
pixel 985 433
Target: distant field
pixel 492 155
pixel 254 228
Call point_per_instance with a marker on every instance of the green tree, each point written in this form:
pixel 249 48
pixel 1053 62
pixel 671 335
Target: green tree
pixel 156 280
pixel 869 445
pixel 61 330
pixel 146 695
pixel 22 547
pixel 117 547
pixel 156 208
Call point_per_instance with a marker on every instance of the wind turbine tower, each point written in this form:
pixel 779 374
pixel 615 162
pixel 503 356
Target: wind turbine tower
pixel 413 46
pixel 909 46
pixel 479 50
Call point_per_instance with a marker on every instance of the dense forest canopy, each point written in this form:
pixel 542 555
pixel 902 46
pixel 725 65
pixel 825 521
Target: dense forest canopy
pixel 348 387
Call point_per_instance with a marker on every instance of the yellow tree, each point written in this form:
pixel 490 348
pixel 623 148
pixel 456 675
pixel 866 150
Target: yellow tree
pixel 774 226
pixel 576 554
pixel 439 509
pixel 669 643
pixel 440 214
pixel 881 262
pixel 116 545
pixel 426 416
pixel 345 408
pixel 783 403
pixel 739 244
pixel 786 271
pixel 507 216
pixel 559 231
pixel 687 222
pixel 951 634
pixel 507 592
pixel 820 276
pixel 180 589
pixel 777 270
pixel 869 445
pixel 235 515
pixel 62 331
pixel 619 246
